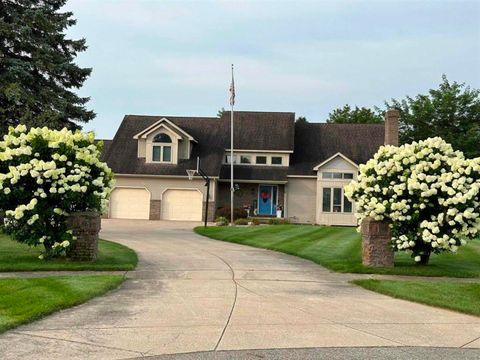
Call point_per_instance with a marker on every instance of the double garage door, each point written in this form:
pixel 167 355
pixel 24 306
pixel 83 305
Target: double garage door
pixel 177 204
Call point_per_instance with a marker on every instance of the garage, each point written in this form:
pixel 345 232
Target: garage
pixel 130 203
pixel 182 204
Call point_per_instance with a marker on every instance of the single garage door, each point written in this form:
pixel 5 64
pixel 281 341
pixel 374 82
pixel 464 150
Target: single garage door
pixel 130 203
pixel 182 205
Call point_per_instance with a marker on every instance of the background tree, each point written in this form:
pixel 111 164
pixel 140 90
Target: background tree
pixel 301 120
pixel 452 112
pixel 347 115
pixel 221 112
pixel 37 69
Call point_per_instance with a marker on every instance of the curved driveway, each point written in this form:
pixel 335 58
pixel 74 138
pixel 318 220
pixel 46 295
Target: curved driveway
pixel 192 294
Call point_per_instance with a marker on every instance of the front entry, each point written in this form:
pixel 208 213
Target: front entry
pixel 267 199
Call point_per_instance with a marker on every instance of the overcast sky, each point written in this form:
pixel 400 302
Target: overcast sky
pixel 308 57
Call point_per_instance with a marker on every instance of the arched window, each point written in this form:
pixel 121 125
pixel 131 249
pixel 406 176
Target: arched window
pixel 161 152
pixel 162 138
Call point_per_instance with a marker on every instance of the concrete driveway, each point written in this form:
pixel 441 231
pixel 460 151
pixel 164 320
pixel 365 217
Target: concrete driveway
pixel 193 294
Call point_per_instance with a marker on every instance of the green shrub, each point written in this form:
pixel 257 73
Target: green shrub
pixel 238 213
pixel 277 221
pixel 221 221
pixel 241 221
pixel 255 221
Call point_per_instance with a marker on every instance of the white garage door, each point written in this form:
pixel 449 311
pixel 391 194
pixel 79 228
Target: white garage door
pixel 182 205
pixel 130 203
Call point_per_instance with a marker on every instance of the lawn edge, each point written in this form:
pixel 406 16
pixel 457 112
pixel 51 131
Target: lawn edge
pixel 129 267
pixel 197 230
pixel 363 284
pixel 40 316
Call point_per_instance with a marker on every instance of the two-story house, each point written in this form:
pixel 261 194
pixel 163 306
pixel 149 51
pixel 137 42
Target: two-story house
pixel 301 168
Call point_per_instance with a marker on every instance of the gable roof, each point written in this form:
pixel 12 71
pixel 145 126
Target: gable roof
pixel 166 123
pixel 317 142
pixel 338 154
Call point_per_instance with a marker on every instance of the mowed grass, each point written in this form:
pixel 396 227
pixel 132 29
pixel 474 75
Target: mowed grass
pixel 20 257
pixel 339 249
pixel 25 300
pixel 462 297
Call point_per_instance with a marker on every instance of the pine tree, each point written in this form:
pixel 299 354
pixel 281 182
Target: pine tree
pixel 37 69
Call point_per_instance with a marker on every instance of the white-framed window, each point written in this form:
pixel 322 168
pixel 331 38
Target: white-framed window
pixel 261 160
pixel 245 159
pixel 228 159
pixel 277 160
pixel 334 200
pixel 337 175
pixel 162 148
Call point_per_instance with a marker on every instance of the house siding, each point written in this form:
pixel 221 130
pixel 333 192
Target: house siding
pixel 301 194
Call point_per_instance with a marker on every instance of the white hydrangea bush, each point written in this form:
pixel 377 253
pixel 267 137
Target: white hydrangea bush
pixel 45 175
pixel 427 191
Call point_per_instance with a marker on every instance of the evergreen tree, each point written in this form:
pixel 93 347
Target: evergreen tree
pixel 37 69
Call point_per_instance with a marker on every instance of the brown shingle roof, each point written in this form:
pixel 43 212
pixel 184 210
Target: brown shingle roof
pixel 316 142
pixel 253 131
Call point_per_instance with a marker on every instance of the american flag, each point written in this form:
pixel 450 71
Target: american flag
pixel 232 90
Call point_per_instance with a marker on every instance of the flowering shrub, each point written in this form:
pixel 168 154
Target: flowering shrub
pixel 44 175
pixel 426 190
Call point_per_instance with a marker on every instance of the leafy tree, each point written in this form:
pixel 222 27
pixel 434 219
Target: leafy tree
pixel 221 112
pixel 37 69
pixel 301 120
pixel 452 112
pixel 347 115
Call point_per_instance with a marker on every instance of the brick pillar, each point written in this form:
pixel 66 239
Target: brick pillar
pixel 376 246
pixel 392 117
pixel 85 226
pixel 155 209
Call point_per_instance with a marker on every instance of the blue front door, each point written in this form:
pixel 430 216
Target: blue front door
pixel 267 200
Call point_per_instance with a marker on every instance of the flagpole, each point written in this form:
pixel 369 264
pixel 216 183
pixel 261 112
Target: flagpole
pixel 232 190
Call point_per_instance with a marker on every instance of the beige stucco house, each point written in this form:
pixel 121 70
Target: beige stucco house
pixel 300 168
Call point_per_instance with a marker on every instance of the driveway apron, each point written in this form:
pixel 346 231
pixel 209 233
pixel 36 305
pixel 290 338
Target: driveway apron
pixel 190 293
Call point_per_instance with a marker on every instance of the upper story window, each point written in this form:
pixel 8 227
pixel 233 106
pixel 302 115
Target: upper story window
pixel 337 175
pixel 277 160
pixel 162 148
pixel 228 159
pixel 162 138
pixel 245 159
pixel 261 160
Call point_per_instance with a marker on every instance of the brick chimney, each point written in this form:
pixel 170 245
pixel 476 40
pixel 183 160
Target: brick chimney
pixel 392 117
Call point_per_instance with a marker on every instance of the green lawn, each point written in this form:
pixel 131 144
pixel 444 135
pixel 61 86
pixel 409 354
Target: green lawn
pixel 339 249
pixel 19 257
pixel 25 300
pixel 463 297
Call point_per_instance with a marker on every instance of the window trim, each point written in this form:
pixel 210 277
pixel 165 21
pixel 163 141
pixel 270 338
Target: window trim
pixel 261 156
pixel 342 200
pixel 330 175
pixel 249 157
pixel 277 157
pixel 163 145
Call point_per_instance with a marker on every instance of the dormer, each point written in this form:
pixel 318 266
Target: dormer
pixel 164 143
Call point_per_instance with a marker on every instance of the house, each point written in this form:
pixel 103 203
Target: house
pixel 301 167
